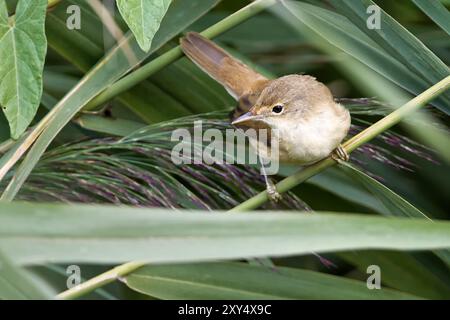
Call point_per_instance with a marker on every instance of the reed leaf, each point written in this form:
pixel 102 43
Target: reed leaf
pixel 222 281
pixel 112 234
pixel 399 43
pixel 17 283
pixel 437 12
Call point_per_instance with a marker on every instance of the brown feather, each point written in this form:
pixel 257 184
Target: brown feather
pixel 237 78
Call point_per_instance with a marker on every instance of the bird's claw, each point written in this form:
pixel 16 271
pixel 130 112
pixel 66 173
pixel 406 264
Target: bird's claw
pixel 273 193
pixel 340 155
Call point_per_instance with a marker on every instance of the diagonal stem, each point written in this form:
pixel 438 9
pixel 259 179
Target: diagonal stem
pixel 175 53
pixel 100 280
pixel 285 184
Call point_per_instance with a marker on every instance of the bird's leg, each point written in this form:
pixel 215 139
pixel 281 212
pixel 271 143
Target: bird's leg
pixel 270 186
pixel 272 190
pixel 339 154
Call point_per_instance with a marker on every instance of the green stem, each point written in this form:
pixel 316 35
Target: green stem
pixel 174 54
pixel 100 280
pixel 285 184
pixel 353 143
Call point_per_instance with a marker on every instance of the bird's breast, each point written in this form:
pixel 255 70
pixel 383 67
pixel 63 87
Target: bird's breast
pixel 305 141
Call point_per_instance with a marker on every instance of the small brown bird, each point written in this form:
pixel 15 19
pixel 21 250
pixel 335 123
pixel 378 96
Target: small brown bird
pixel 310 124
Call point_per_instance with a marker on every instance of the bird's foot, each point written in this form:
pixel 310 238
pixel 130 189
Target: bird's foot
pixel 273 193
pixel 340 155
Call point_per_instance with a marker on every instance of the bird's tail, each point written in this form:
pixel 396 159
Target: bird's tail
pixel 237 78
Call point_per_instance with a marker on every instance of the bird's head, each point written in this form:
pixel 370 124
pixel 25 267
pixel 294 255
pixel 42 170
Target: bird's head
pixel 286 99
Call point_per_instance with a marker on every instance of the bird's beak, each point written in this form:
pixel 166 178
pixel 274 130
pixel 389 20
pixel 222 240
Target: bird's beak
pixel 246 117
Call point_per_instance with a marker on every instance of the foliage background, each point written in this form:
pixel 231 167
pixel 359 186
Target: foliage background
pixel 99 158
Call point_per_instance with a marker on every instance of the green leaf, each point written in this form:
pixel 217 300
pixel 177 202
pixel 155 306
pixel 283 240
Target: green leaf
pixel 337 30
pixel 107 71
pixel 204 94
pixel 393 204
pixel 399 42
pixel 337 182
pixel 22 47
pixel 110 126
pixel 437 12
pixel 77 47
pixel 36 233
pixel 143 17
pixel 18 284
pixel 222 281
pixel 342 34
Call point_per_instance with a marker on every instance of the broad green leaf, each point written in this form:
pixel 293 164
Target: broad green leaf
pixel 114 65
pixel 22 47
pixel 18 284
pixel 37 233
pixel 223 281
pixel 436 11
pixel 143 17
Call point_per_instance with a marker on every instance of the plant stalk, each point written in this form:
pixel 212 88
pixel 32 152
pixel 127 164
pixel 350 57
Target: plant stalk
pixel 175 53
pixel 100 280
pixel 285 184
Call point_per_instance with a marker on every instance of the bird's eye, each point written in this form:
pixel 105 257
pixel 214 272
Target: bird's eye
pixel 277 109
